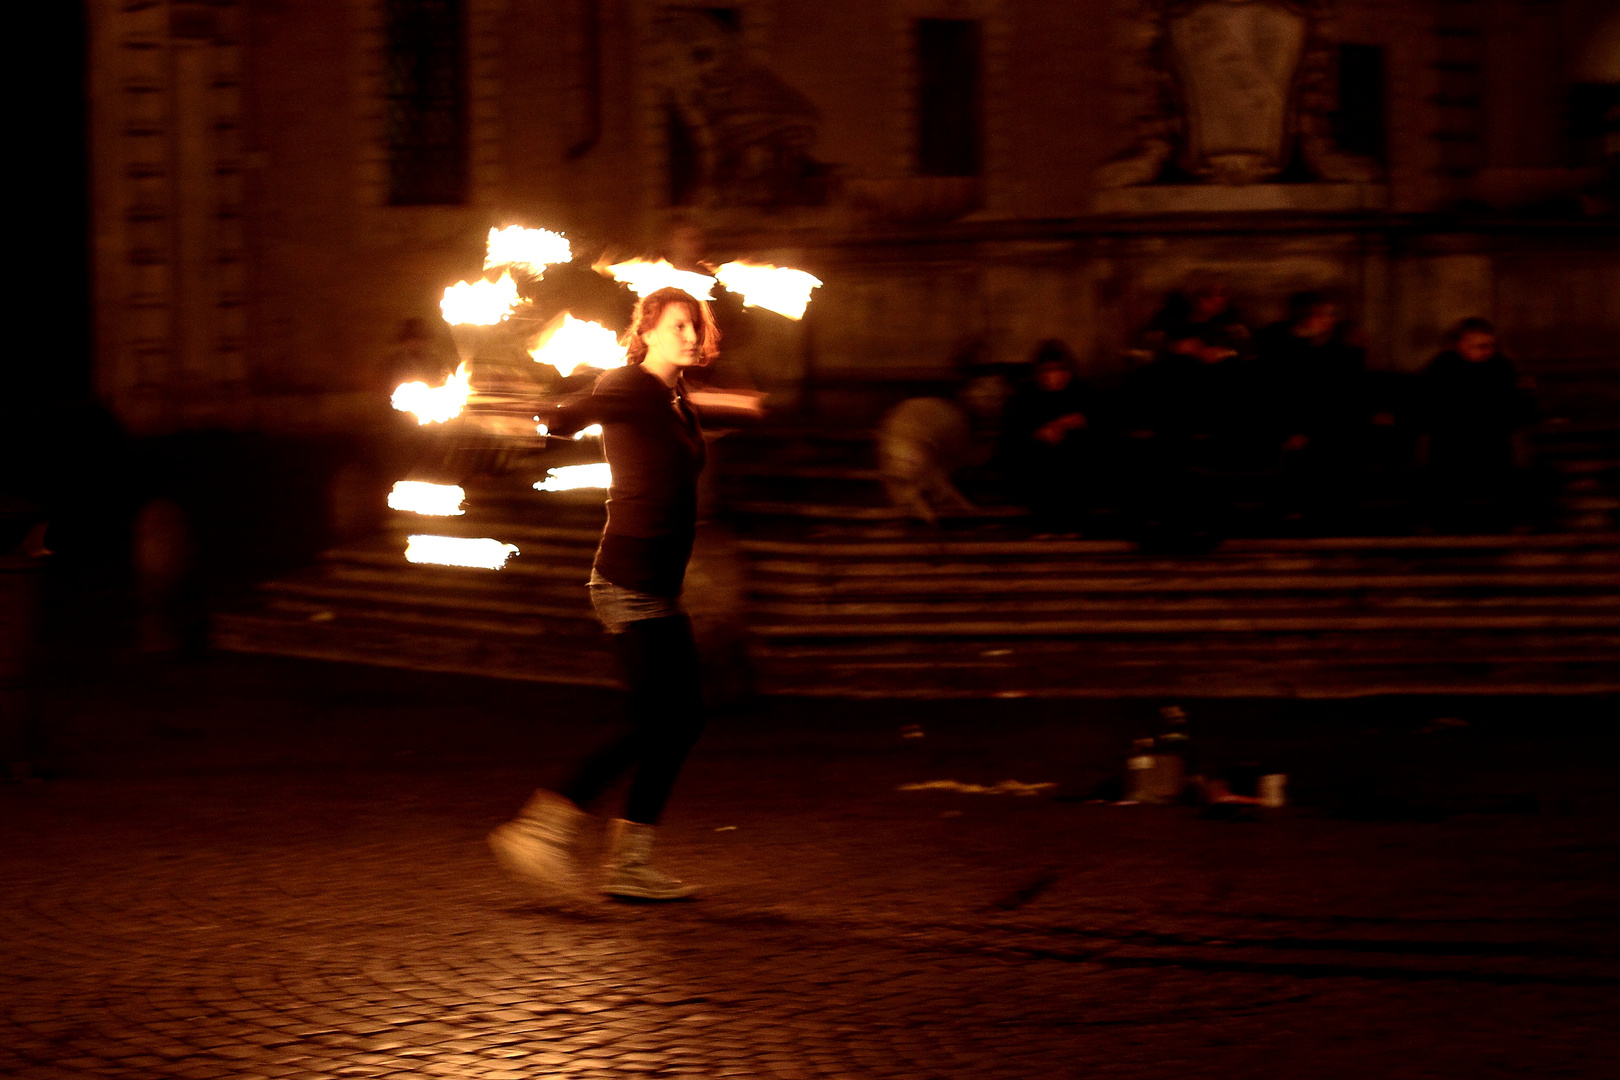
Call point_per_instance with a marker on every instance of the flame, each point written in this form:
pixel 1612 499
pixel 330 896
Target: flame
pixel 781 289
pixel 480 554
pixel 574 477
pixel 577 343
pixel 434 500
pixel 479 303
pixel 531 250
pixel 435 404
pixel 594 429
pixel 644 277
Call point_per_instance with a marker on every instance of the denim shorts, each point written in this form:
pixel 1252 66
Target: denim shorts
pixel 616 607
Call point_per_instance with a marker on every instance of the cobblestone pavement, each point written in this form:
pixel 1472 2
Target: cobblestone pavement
pixel 268 873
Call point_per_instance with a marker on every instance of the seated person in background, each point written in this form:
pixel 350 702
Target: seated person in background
pixel 1046 444
pixel 1200 319
pixel 1183 413
pixel 923 442
pixel 1473 401
pixel 1311 395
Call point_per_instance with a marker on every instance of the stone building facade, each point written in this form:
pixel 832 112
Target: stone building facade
pixel 280 184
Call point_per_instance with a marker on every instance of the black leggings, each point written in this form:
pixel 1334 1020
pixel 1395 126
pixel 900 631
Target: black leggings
pixel 665 714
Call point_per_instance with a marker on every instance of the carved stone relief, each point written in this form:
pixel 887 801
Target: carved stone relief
pixel 1238 87
pixel 737 134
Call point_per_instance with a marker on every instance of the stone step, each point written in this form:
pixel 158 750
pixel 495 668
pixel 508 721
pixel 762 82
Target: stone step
pixel 1395 605
pixel 1289 665
pixel 333 596
pixel 898 579
pixel 1226 624
pixel 434 646
pixel 909 544
pixel 561 567
pixel 1255 677
pixel 846 512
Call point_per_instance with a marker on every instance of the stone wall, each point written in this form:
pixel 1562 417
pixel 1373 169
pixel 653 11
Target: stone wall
pixel 250 274
pixel 908 308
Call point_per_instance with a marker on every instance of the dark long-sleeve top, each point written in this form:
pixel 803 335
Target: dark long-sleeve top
pixel 1471 409
pixel 1306 388
pixel 654 447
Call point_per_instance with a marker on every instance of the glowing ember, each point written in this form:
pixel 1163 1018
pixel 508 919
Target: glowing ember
pixel 480 554
pixel 644 277
pixel 574 477
pixel 434 500
pixel 594 429
pixel 479 303
pixel 776 288
pixel 435 404
pixel 531 250
pixel 576 344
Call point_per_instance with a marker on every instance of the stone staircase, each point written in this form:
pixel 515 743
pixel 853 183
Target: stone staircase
pixel 364 603
pixel 870 615
pixel 846 599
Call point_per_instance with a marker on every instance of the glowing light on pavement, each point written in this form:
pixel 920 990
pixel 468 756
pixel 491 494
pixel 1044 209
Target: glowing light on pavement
pixel 420 497
pixel 1005 787
pixel 481 553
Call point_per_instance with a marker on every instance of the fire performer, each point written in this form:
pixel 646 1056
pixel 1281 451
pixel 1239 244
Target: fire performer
pixel 654 446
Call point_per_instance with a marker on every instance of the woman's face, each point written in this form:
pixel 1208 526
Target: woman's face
pixel 674 340
pixel 1476 346
pixel 1053 378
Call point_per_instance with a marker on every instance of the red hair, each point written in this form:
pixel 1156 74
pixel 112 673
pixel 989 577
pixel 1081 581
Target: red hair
pixel 650 308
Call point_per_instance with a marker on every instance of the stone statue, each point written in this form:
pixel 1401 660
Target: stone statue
pixel 743 134
pixel 1237 87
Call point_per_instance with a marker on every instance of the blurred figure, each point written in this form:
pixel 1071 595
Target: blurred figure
pixel 164 556
pixel 924 442
pixel 653 440
pixel 686 247
pixel 1047 436
pixel 415 356
pixel 1199 320
pixel 1311 395
pixel 22 551
pixel 1473 402
pixel 1183 413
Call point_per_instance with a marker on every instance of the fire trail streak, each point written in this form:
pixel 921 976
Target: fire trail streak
pixel 433 500
pixel 575 477
pixel 479 553
pixel 576 343
pixel 479 303
pixel 529 250
pixel 435 404
pixel 644 276
pixel 781 289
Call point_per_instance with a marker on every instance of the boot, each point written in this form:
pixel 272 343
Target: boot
pixel 536 847
pixel 629 871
